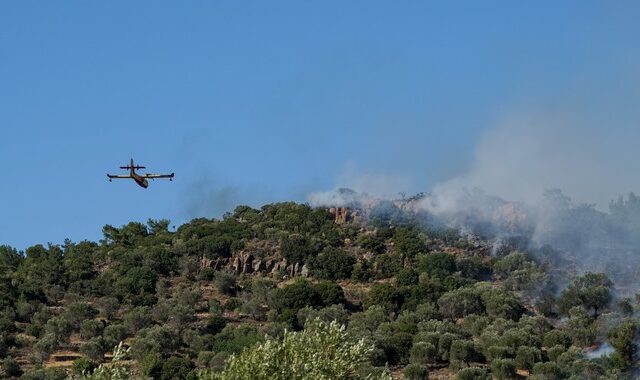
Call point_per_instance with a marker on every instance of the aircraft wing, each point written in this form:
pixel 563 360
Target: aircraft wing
pixel 118 176
pixel 154 176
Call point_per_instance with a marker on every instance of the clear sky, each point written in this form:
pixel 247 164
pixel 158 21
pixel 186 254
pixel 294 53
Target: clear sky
pixel 253 102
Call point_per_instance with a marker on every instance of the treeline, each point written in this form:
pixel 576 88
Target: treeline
pixel 413 298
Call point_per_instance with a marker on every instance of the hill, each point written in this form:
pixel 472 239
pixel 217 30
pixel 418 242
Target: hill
pixel 422 300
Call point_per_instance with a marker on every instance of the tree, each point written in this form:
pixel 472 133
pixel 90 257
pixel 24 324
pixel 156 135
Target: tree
pixel 424 353
pixel 438 264
pixel 136 285
pixel 296 296
pixel 464 351
pixel 527 357
pixel 415 372
pixel 407 277
pixel 591 291
pixel 502 304
pixel 91 328
pixel 388 296
pixel 546 371
pixel 372 243
pixel 321 351
pixel 116 370
pixel 362 271
pixel 82 366
pixel 330 293
pixel 461 302
pixel 624 339
pixel 225 282
pixel 332 264
pixel 504 369
pixel 408 242
pixel 95 349
pixel 176 368
pixel 10 368
pixel 473 373
pixel 215 324
pixel 161 340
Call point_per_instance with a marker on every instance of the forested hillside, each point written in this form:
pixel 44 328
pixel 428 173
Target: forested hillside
pixel 285 292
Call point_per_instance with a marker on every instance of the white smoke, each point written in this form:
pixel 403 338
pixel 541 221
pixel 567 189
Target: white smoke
pixel 522 156
pixel 358 186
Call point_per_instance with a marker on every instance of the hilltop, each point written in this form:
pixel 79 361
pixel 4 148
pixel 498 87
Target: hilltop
pixel 425 299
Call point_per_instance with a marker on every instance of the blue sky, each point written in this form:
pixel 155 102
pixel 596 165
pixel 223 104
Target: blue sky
pixel 253 102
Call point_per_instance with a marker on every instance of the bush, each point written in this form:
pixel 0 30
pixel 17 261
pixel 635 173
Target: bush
pixel 624 338
pixel 503 369
pixel 557 337
pixel 330 293
pixel 362 271
pixel 464 351
pixel 473 373
pixel 91 328
pixel 387 265
pixel 215 324
pixel 175 368
pixel 95 349
pixel 114 334
pixel 461 302
pixel 159 340
pixel 137 319
pixel 83 366
pixel 371 243
pixel 11 368
pixel 591 291
pixel 322 351
pixel 225 282
pixel 46 374
pixel 388 296
pixel 397 347
pixel 332 264
pixel 526 357
pixel 554 352
pixel 406 277
pixel 424 353
pixel 151 365
pixel 438 264
pixel 296 296
pixel 546 371
pixel 415 372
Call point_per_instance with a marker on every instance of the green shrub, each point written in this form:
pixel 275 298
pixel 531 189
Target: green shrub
pixel 423 353
pixel 504 369
pixel 415 372
pixel 83 366
pixel 546 371
pixel 321 351
pixel 11 368
pixel 215 324
pixel 225 282
pixel 473 373
pixel 91 328
pixel 330 293
pixel 176 368
pixel 332 264
pixel 526 357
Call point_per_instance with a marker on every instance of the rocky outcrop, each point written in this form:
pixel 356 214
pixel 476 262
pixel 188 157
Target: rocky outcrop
pixel 264 260
pixel 343 215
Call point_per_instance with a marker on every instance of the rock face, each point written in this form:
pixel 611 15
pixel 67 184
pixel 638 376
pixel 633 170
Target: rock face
pixel 263 260
pixel 343 215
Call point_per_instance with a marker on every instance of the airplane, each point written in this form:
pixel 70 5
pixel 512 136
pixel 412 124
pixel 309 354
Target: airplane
pixel 141 179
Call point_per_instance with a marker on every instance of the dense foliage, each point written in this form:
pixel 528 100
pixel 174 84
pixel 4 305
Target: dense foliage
pixel 413 298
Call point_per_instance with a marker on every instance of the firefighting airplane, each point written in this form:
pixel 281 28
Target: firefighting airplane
pixel 141 179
